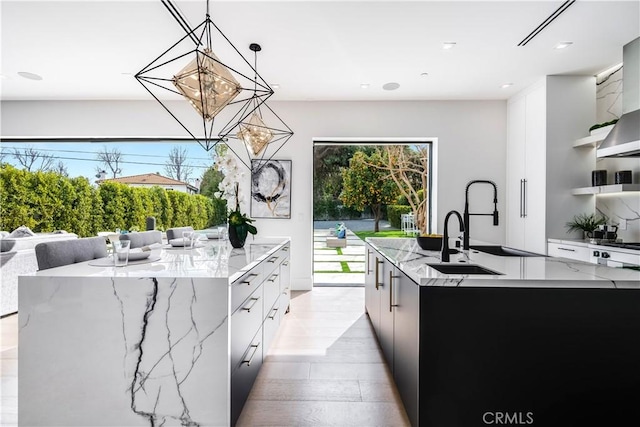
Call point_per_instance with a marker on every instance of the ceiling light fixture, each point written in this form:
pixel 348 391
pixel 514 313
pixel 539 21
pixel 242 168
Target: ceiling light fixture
pixel 448 45
pixel 364 85
pixel 209 84
pixel 260 140
pixel 506 85
pixel 563 45
pixel 424 74
pixel 29 76
pixel 391 86
pixel 275 86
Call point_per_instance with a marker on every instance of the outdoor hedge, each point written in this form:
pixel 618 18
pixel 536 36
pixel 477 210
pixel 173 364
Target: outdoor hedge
pixel 394 213
pixel 47 201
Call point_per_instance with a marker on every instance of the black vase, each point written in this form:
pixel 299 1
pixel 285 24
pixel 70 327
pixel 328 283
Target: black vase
pixel 237 235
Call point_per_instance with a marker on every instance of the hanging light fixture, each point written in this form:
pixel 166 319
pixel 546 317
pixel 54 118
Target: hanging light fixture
pixel 261 141
pixel 211 86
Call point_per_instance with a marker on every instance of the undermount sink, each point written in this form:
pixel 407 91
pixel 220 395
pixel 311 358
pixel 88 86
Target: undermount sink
pixel 503 251
pixel 462 269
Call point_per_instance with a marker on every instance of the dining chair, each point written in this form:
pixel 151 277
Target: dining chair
pixel 65 252
pixel 176 233
pixel 143 238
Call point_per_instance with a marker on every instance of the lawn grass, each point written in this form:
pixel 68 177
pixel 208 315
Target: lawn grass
pixel 386 233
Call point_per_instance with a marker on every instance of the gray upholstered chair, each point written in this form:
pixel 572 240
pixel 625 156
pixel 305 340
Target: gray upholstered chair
pixel 64 252
pixel 143 238
pixel 176 233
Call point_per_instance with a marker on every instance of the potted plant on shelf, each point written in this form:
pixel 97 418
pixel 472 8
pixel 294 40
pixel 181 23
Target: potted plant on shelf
pixel 587 223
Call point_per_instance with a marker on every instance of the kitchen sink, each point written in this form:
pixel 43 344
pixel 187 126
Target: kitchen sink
pixel 462 269
pixel 503 251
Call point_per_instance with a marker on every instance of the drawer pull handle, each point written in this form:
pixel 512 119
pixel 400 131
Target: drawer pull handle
pixel 255 350
pixel 273 312
pixel 286 263
pixel 272 278
pixel 272 259
pixel 285 249
pixel 251 276
pixel 249 306
pixel 566 249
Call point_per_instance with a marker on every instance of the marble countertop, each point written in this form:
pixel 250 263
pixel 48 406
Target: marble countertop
pixel 516 271
pixel 212 259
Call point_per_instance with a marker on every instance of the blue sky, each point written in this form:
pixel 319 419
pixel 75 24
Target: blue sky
pixel 138 157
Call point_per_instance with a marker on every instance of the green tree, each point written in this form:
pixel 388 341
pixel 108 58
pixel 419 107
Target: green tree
pixel 364 185
pixel 209 187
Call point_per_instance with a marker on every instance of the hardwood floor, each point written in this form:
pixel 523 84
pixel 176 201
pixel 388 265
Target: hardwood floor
pixel 324 368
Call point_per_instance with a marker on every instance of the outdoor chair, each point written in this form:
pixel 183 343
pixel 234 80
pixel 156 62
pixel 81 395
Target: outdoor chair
pixel 176 233
pixel 143 238
pixel 65 252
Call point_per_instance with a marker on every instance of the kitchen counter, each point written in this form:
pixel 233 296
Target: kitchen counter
pixel 160 342
pixel 516 271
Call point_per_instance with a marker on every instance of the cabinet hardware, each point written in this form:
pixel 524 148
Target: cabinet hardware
pixel 250 305
pixel 524 198
pixel 248 282
pixel 272 278
pixel 285 263
pixel 255 350
pixel 272 259
pixel 391 304
pixel 274 311
pixel 566 249
pixel 521 194
pixel 285 249
pixel 378 262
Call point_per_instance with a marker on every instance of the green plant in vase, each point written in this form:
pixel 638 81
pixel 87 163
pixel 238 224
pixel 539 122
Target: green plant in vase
pixel 239 223
pixel 587 223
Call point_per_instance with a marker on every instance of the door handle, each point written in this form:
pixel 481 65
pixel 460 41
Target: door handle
pixel 524 198
pixel 378 262
pixel 521 212
pixel 391 277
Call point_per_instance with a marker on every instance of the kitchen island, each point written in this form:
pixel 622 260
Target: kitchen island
pixel 173 340
pixel 543 341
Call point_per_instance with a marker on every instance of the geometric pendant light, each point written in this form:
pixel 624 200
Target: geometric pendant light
pixel 259 132
pixel 228 88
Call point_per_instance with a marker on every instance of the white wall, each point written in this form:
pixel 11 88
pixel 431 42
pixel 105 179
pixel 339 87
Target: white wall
pixel 471 139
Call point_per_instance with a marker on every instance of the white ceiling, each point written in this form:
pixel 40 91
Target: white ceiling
pixel 322 50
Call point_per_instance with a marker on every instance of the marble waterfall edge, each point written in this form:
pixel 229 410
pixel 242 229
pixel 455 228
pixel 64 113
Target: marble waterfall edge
pixel 123 351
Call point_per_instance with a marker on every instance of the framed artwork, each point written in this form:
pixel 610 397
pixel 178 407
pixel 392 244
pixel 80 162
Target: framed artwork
pixel 270 189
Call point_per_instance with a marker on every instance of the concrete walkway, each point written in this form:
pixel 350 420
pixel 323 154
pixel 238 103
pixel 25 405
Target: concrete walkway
pixel 338 266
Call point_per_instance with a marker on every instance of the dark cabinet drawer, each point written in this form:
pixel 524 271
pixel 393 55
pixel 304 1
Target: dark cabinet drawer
pixel 244 324
pixel 244 376
pixel 245 286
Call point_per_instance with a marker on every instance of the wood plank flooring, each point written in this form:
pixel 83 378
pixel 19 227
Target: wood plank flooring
pixel 324 368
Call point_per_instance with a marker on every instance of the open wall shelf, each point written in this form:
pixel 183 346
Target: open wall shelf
pixel 594 140
pixel 605 189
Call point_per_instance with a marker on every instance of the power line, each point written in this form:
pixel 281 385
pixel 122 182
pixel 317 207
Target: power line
pixel 97 152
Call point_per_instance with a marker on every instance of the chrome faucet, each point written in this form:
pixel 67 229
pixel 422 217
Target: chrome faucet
pixel 465 240
pixel 444 254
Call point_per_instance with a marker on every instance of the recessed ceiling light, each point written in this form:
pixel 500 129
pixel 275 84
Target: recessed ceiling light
pixel 391 86
pixel 275 86
pixel 364 85
pixel 563 45
pixel 127 74
pixel 28 75
pixel 506 85
pixel 448 45
pixel 424 74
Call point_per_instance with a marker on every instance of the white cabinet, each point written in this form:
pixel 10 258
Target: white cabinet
pixel 567 250
pixel 543 121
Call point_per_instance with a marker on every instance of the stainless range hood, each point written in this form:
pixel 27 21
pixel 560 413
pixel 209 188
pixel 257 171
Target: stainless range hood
pixel 624 138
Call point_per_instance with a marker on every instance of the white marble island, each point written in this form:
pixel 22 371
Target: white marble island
pixel 166 342
pixel 544 341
